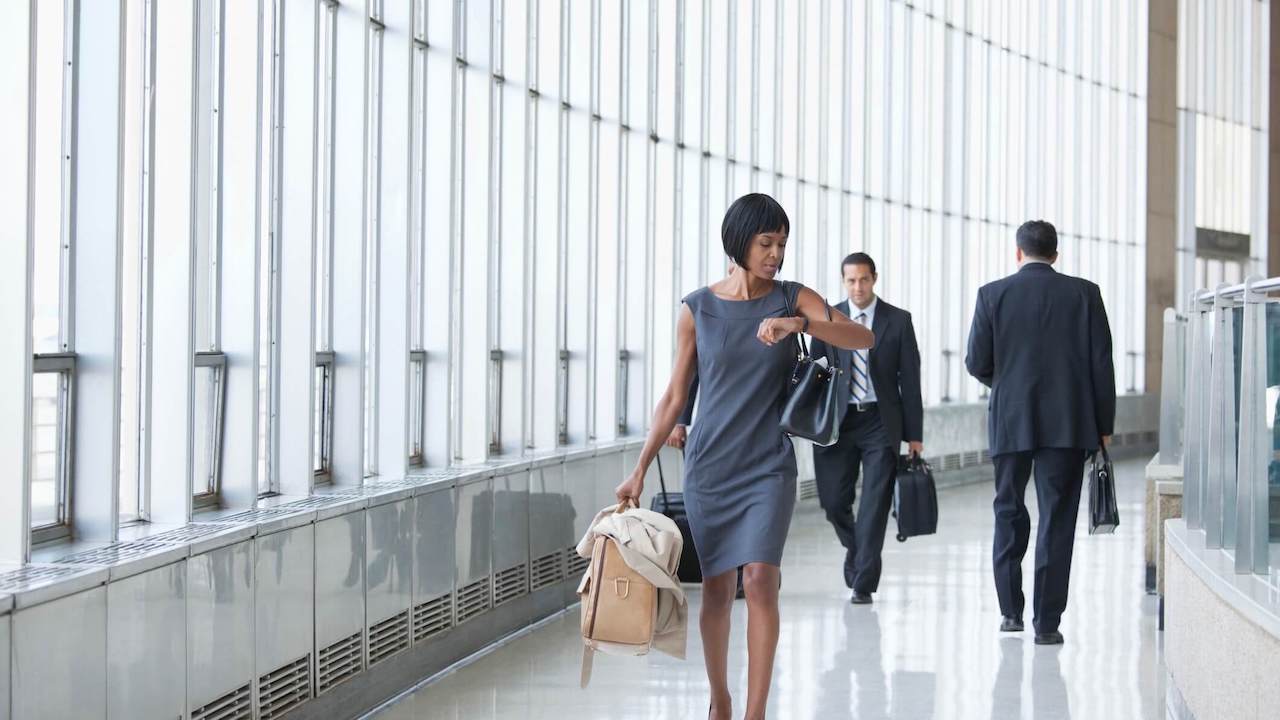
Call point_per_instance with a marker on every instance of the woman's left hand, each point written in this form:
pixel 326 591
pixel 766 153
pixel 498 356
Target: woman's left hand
pixel 772 330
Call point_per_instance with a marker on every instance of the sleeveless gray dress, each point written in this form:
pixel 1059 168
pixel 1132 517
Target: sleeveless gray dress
pixel 740 470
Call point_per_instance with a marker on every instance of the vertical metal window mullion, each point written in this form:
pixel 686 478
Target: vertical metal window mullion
pixel 495 237
pixel 562 231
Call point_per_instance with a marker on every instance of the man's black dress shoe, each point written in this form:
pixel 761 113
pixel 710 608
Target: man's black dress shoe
pixel 848 569
pixel 1049 638
pixel 1010 624
pixel 860 598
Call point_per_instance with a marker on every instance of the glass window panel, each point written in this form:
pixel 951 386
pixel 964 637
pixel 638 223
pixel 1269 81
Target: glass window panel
pixel 578 52
pixel 718 78
pixel 207 175
pixel 326 73
pixel 49 177
pixel 638 66
pixel 207 424
pixel 693 100
pixel 665 112
pixel 878 100
pixel 49 420
pixel 768 110
pixel 810 106
pixel 134 258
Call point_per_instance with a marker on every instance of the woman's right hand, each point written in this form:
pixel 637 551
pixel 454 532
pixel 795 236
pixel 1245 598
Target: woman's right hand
pixel 631 487
pixel 679 434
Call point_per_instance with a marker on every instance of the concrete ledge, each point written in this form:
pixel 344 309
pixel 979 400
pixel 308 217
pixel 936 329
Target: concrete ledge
pixel 1222 633
pixel 1163 502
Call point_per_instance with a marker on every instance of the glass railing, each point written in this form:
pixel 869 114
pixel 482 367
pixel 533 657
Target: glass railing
pixel 1230 402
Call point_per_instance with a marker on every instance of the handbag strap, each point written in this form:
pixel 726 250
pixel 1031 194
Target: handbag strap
pixel 791 312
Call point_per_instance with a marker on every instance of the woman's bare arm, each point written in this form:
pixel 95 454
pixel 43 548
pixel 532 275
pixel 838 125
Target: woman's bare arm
pixel 839 331
pixel 669 407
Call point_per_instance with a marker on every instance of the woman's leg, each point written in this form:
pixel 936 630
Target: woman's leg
pixel 761 581
pixel 717 604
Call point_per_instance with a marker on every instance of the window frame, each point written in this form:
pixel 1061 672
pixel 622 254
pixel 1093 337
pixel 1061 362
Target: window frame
pixel 323 413
pixel 210 496
pixel 417 408
pixel 63 364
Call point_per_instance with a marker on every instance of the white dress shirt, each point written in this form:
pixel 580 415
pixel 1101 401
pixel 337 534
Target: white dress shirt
pixel 870 312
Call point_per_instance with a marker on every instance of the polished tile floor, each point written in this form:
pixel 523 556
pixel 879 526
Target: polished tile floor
pixel 927 648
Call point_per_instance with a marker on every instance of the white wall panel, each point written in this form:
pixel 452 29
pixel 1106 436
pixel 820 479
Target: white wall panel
pixel 284 597
pixel 147 645
pixel 434 538
pixel 550 512
pixel 220 633
pixel 340 569
pixel 511 521
pixel 6 640
pixel 474 531
pixel 389 559
pixel 74 631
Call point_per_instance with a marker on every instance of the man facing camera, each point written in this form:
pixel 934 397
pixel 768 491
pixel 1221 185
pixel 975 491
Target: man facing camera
pixel 883 409
pixel 1041 342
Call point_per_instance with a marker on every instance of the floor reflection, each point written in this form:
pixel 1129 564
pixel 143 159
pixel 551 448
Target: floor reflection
pixel 928 648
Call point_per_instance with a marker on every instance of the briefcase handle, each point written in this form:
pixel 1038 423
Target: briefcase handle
pixel 662 483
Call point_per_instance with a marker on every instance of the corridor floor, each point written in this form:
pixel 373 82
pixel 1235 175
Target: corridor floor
pixel 927 648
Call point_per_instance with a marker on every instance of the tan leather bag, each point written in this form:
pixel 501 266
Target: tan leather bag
pixel 619 606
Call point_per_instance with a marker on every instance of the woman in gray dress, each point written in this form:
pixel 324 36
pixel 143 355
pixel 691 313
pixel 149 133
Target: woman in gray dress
pixel 740 471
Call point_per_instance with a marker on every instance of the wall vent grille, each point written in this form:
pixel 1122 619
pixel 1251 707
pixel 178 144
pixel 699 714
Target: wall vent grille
pixel 510 584
pixel 547 570
pixel 284 689
pixel 473 600
pixel 984 457
pixel 193 531
pixel 112 554
pixel 338 662
pixel 575 564
pixel 970 459
pixel 314 502
pixel 388 637
pixel 34 574
pixel 432 617
pixel 235 705
pixel 950 462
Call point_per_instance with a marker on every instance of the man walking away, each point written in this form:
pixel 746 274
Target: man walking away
pixel 1040 340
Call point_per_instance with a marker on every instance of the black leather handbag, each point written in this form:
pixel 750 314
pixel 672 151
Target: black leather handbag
pixel 815 393
pixel 1104 515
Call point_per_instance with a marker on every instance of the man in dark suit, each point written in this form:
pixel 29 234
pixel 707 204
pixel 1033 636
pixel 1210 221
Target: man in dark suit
pixel 1041 342
pixel 883 410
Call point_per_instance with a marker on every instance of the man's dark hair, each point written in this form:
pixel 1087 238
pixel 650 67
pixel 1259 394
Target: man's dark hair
pixel 858 258
pixel 747 217
pixel 1038 239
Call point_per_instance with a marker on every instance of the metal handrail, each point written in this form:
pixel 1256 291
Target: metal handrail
pixel 1231 291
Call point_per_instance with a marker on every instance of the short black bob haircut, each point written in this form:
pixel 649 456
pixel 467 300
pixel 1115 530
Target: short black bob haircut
pixel 858 258
pixel 747 217
pixel 1038 239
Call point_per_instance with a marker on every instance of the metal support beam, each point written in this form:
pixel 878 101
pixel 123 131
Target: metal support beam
pixel 172 368
pixel 16 73
pixel 1253 504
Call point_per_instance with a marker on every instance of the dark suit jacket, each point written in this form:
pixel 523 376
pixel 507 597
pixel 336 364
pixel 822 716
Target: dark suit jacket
pixel 1041 341
pixel 894 363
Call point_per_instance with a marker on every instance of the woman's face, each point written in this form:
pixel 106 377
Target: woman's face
pixel 765 253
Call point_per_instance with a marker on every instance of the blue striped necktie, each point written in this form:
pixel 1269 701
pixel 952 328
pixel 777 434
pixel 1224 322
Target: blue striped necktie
pixel 861 379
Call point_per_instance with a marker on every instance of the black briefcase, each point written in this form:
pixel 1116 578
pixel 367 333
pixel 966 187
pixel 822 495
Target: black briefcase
pixel 915 498
pixel 1104 515
pixel 672 505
